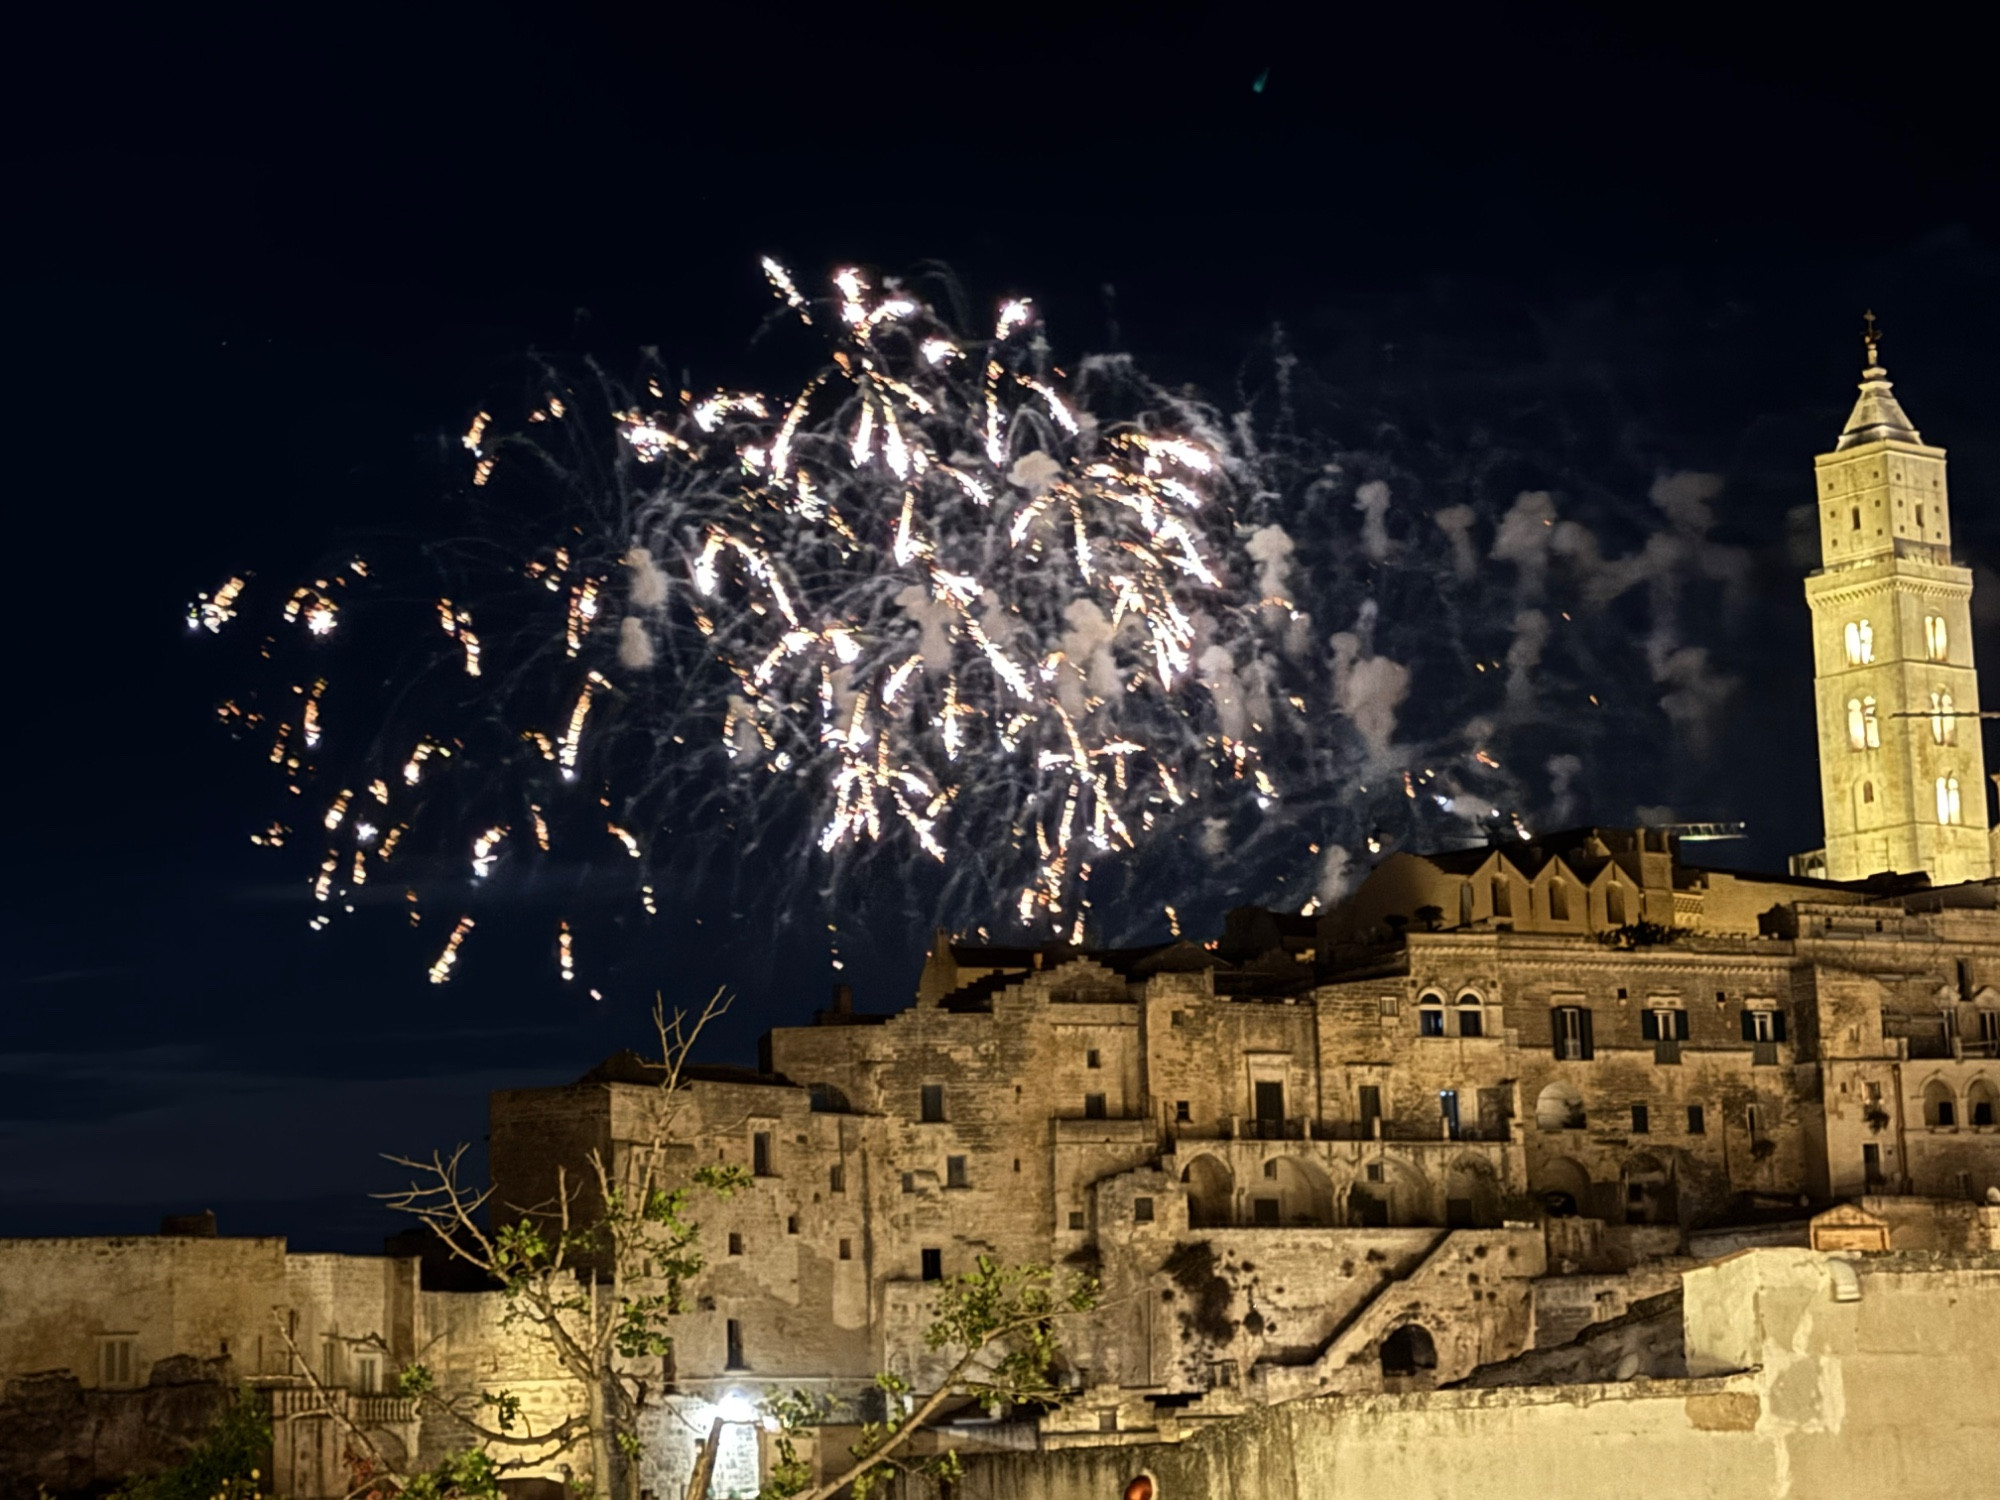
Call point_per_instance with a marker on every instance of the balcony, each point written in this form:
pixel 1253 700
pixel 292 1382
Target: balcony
pixel 383 1411
pixel 1763 1054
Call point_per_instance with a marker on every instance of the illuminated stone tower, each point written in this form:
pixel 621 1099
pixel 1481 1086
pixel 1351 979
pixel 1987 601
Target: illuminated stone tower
pixel 1902 775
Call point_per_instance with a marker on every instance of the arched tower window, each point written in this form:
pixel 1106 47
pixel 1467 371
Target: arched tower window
pixel 1857 728
pixel 1936 644
pixel 1558 901
pixel 1871 728
pixel 1949 810
pixel 1944 719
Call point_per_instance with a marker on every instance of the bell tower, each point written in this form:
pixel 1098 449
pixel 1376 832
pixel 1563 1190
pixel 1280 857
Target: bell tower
pixel 1901 770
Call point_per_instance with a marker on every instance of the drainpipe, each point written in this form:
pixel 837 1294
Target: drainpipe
pixel 1902 1139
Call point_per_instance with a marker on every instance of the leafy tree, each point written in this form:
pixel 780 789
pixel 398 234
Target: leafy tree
pixel 229 1464
pixel 999 1323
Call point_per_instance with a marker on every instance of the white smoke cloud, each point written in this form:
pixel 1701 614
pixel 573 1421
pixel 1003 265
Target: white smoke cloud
pixel 1215 837
pixel 934 620
pixel 1035 472
pixel 1087 644
pixel 1696 695
pixel 1335 874
pixel 1218 675
pixel 1369 689
pixel 743 736
pixel 1524 653
pixel 1271 549
pixel 1455 521
pixel 635 647
pixel 1683 498
pixel 648 588
pixel 1523 538
pixel 1372 500
pixel 1563 771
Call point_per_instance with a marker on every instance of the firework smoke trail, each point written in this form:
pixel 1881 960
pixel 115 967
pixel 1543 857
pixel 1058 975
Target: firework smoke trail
pixel 1002 642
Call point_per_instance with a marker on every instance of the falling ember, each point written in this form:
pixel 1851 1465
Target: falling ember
pixel 541 827
pixel 441 970
pixel 338 811
pixel 565 952
pixel 646 900
pixel 631 844
pixel 482 850
pixel 211 612
pixel 476 432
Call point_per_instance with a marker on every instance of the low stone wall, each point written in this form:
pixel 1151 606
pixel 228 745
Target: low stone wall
pixel 57 1436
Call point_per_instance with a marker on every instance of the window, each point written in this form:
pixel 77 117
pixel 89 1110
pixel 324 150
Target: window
pixel 1503 897
pixel 1371 1107
pixel 1093 1106
pixel 1558 901
pixel 1948 808
pixel 1271 1170
pixel 836 1178
pixel 1375 1172
pixel 1183 1114
pixel 933 1103
pixel 1857 728
pixel 1989 1026
pixel 1868 793
pixel 368 1374
pixel 1871 727
pixel 1570 1026
pixel 954 1172
pixel 1264 1212
pixel 1142 1210
pixel 791 1223
pixel 933 1263
pixel 735 1243
pixel 733 1345
pixel 1936 645
pixel 909 1182
pixel 847 1249
pixel 114 1360
pixel 1430 1021
pixel 1871 1165
pixel 1614 905
pixel 1448 1112
pixel 1642 1120
pixel 329 1361
pixel 1076 1218
pixel 1763 1025
pixel 1387 1008
pixel 1944 719
pixel 1920 516
pixel 1697 1120
pixel 1470 1023
pixel 1664 1024
pixel 1753 1121
pixel 1860 634
pixel 1857 527
pixel 1091 1059
pixel 760 1154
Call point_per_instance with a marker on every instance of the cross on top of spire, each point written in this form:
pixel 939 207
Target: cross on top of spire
pixel 1871 338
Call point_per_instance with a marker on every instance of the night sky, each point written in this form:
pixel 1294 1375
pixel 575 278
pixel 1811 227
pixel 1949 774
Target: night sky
pixel 260 269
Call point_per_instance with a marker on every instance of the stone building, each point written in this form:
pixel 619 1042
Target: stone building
pixel 1481 1115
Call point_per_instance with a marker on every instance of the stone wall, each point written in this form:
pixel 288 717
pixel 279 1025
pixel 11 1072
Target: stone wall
pixel 1894 1393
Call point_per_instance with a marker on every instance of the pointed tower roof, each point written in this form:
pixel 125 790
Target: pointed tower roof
pixel 1877 413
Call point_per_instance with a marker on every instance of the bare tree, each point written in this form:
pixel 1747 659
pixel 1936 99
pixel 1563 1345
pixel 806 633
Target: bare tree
pixel 594 1275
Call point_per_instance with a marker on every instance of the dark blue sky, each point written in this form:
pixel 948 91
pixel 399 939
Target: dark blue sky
pixel 262 264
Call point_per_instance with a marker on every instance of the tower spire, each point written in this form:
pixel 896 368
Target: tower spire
pixel 1877 413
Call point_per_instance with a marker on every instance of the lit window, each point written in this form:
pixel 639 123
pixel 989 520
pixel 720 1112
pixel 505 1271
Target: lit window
pixel 1860 643
pixel 1948 807
pixel 1944 719
pixel 1871 726
pixel 1857 727
pixel 1937 644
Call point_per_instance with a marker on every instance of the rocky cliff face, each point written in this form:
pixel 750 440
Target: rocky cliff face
pixel 57 1436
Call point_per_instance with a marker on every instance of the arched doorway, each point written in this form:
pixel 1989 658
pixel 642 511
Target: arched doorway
pixel 1410 1350
pixel 1562 1186
pixel 1304 1192
pixel 1211 1192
